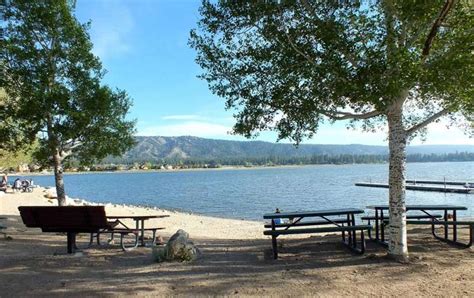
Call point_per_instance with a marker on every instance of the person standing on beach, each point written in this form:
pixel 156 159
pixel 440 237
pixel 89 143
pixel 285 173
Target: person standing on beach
pixel 4 183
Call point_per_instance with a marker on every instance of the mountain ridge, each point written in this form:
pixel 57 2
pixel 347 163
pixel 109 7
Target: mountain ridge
pixel 155 148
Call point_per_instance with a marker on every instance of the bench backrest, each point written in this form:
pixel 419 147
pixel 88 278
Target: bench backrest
pixel 78 219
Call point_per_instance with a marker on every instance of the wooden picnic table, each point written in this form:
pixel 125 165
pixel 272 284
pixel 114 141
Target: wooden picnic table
pixel 139 222
pixel 344 222
pixel 449 212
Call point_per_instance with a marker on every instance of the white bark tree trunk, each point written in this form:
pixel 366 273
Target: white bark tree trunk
pixel 59 179
pixel 397 245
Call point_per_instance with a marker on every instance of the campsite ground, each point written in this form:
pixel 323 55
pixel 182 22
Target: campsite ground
pixel 236 260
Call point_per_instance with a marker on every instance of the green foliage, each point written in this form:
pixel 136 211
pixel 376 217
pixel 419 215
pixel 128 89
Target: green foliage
pixel 52 80
pixel 290 65
pixel 12 159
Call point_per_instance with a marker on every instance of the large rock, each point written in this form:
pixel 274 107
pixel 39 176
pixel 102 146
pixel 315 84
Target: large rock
pixel 178 248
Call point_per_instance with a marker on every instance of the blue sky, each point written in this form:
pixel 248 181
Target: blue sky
pixel 143 46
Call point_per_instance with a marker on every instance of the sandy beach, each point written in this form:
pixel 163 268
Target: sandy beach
pixel 236 260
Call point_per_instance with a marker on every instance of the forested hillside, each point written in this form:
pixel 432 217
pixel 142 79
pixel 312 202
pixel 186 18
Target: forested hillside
pixel 155 149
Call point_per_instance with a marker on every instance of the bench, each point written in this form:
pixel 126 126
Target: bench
pixel 306 223
pixel 351 243
pixel 328 221
pixel 73 220
pixel 421 216
pixel 445 224
pixel 372 217
pixel 123 232
pixel 65 219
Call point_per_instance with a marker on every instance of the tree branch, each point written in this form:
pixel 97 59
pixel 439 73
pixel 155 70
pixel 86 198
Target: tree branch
pixel 427 121
pixel 299 51
pixel 346 115
pixel 40 40
pixel 308 7
pixel 434 29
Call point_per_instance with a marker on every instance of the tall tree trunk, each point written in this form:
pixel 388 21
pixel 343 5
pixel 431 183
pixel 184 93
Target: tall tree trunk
pixel 58 177
pixel 397 145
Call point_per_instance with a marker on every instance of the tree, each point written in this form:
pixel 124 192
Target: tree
pixel 288 66
pixel 52 80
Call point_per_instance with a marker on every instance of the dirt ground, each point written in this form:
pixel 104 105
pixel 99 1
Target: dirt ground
pixel 35 263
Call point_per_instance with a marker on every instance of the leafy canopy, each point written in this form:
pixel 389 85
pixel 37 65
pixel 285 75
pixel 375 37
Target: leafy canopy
pixel 290 65
pixel 52 80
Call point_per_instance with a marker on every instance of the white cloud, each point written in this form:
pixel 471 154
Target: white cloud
pixel 189 128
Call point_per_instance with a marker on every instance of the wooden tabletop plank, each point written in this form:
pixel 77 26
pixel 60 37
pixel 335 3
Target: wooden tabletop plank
pixel 328 212
pixel 422 207
pixel 136 217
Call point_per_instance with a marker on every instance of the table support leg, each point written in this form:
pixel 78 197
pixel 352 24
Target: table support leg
pixel 349 233
pixel 354 242
pixel 369 231
pixel 446 226
pixel 137 226
pixel 455 230
pixel 274 242
pixel 71 242
pixel 377 225
pixel 143 232
pixel 382 231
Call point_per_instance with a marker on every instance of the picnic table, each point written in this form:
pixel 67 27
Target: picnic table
pixel 334 220
pixel 139 226
pixel 448 218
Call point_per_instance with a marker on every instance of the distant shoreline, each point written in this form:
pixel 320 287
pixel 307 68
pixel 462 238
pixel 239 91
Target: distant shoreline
pixel 222 168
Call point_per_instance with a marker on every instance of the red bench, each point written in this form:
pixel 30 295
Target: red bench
pixel 65 219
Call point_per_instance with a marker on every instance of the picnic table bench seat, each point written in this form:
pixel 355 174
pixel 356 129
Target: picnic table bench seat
pixel 421 216
pixel 317 230
pixel 73 220
pixel 370 218
pixel 65 219
pixel 124 232
pixel 437 222
pixel 444 223
pixel 351 242
pixel 306 223
pixel 344 222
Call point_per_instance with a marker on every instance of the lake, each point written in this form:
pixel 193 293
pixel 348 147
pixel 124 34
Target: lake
pixel 248 193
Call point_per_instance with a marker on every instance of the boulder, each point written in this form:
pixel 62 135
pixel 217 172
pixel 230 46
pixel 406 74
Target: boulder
pixel 50 193
pixel 178 248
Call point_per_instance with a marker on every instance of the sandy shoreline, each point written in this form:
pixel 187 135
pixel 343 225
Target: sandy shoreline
pixel 236 260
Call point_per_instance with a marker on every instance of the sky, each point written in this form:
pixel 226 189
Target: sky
pixel 143 46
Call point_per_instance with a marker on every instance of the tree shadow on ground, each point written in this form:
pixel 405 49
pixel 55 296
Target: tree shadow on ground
pixel 30 266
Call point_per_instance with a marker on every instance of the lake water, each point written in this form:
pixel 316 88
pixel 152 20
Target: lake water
pixel 249 193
